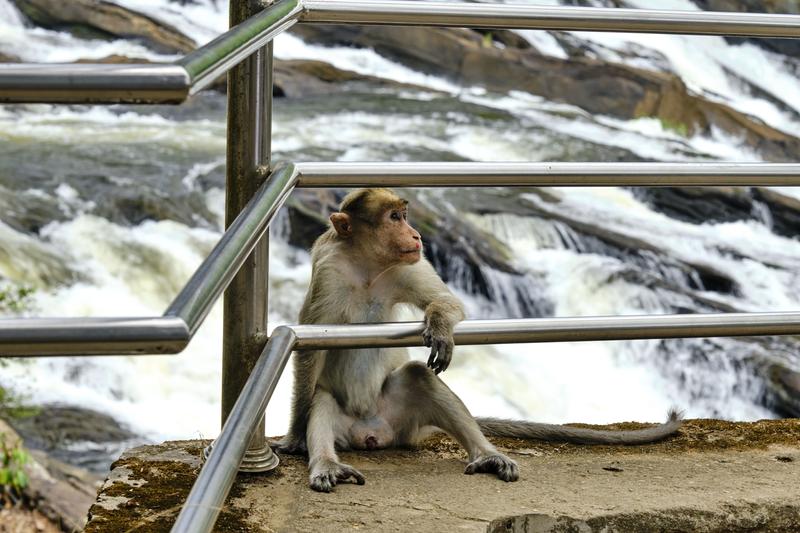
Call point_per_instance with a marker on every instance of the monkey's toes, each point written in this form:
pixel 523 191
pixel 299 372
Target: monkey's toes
pixel 498 464
pixel 323 482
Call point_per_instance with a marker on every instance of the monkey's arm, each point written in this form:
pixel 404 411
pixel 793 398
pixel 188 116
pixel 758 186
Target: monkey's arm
pixel 422 287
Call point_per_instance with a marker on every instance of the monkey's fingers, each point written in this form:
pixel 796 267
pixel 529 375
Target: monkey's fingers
pixel 348 472
pixel 447 352
pixel 427 338
pixel 432 357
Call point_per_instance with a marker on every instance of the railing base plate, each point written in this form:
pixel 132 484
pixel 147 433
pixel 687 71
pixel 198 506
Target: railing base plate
pixel 255 461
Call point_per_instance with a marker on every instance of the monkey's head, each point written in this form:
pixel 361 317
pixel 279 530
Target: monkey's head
pixel 375 221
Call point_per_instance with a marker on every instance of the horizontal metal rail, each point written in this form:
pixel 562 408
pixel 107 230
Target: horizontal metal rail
pixel 145 83
pixel 170 333
pixel 214 275
pixel 335 174
pixel 122 336
pixel 25 337
pixel 173 83
pixel 214 482
pixel 517 16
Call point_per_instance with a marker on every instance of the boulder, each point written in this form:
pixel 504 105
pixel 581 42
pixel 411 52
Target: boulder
pixel 57 497
pixel 595 85
pixel 105 20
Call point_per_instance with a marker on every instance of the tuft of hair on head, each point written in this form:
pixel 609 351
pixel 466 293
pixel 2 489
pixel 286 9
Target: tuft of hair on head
pixel 371 204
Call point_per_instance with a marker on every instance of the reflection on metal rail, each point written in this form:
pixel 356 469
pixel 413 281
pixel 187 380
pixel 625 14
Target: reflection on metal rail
pixel 173 83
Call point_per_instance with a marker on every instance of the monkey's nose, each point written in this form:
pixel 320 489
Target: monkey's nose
pixel 371 442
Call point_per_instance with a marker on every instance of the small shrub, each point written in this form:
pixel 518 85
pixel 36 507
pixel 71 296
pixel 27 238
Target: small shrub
pixel 13 478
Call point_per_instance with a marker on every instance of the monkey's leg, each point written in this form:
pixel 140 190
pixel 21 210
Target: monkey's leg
pixel 326 421
pixel 414 397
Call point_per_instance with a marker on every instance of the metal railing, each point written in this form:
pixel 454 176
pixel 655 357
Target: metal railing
pixel 249 153
pixel 173 83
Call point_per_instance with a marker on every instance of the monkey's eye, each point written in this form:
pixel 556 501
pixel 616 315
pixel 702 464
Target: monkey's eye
pixel 396 215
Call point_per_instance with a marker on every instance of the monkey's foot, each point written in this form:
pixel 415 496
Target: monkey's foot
pixel 497 464
pixel 289 446
pixel 325 475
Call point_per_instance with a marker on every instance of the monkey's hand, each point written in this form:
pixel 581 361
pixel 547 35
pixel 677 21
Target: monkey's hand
pixel 438 336
pixel 327 473
pixel 289 445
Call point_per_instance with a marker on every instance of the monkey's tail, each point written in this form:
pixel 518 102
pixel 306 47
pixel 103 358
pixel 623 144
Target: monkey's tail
pixel 497 427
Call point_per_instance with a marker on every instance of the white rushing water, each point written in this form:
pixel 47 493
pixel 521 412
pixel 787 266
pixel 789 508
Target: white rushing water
pixel 135 270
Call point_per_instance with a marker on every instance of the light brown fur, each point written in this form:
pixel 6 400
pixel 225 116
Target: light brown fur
pixel 369 261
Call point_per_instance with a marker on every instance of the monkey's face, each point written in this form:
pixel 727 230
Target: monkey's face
pixel 399 242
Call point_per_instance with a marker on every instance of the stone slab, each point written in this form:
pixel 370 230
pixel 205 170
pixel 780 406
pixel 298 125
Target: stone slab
pixel 713 476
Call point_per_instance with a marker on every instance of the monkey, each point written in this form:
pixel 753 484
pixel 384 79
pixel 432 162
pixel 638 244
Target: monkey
pixel 369 260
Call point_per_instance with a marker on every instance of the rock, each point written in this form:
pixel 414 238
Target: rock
pixel 7 58
pixel 784 388
pixel 104 20
pixel 784 211
pixel 300 78
pixel 712 476
pixel 699 205
pixel 74 435
pixel 598 86
pixel 57 494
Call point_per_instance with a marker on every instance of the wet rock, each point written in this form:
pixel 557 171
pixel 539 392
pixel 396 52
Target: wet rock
pixel 8 58
pixel 57 497
pixel 784 211
pixel 784 388
pixel 699 205
pixel 77 436
pixel 301 78
pixel 98 19
pixel 598 86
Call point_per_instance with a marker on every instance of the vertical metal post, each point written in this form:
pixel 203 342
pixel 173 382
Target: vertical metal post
pixel 248 157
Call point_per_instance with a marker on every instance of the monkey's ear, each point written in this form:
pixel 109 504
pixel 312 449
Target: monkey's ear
pixel 342 225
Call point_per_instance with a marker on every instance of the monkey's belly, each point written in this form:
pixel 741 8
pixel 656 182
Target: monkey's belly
pixel 372 433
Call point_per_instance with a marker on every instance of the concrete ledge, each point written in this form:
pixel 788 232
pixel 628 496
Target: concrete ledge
pixel 713 476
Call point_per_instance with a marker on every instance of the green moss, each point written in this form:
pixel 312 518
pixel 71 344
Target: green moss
pixel 677 127
pixel 154 506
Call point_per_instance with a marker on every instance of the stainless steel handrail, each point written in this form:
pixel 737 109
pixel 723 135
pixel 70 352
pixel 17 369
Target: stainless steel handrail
pixel 170 333
pixel 520 16
pixel 208 494
pixel 503 174
pixel 194 302
pixel 138 83
pixel 21 337
pixel 173 83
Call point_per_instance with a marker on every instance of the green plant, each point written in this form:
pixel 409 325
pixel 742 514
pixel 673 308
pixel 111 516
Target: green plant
pixel 13 478
pixel 15 298
pixel 12 407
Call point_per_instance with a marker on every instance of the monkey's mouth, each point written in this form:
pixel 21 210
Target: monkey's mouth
pixel 414 251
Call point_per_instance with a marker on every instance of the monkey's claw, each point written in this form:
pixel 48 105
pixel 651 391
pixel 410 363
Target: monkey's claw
pixel 325 477
pixel 441 353
pixel 497 464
